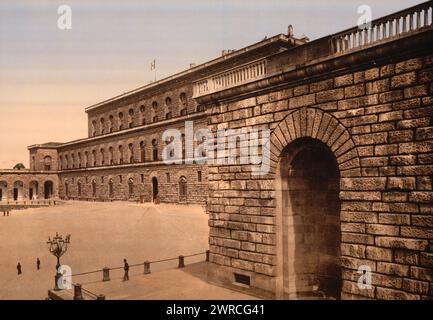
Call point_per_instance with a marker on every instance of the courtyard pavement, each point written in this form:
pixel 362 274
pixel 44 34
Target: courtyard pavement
pixel 102 234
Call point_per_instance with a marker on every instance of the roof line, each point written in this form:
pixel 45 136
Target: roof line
pixel 278 37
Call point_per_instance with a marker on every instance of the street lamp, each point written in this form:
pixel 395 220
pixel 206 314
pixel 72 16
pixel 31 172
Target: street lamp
pixel 58 247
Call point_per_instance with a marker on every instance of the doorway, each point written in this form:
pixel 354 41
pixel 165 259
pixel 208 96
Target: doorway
pixel 311 233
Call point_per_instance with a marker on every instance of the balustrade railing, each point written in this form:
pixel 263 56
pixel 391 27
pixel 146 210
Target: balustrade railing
pixel 388 27
pixel 231 78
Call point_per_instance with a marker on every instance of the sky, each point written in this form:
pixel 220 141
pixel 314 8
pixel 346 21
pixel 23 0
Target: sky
pixel 48 76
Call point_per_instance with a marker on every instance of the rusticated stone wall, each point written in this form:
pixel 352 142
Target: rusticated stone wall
pixel 378 124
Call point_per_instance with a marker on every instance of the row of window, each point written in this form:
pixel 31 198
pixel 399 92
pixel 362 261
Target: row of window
pixel 115 155
pixel 182 185
pixel 117 122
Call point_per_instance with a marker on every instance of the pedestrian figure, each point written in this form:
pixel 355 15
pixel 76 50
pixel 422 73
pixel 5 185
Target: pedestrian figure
pixel 126 269
pixel 4 213
pixel 38 263
pixel 19 268
pixel 8 213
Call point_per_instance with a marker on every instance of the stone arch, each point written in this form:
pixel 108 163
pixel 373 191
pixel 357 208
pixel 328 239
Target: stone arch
pixel 3 190
pixel 310 150
pixel 316 124
pixel 18 190
pixel 33 189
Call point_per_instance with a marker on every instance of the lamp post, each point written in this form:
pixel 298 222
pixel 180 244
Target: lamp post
pixel 58 247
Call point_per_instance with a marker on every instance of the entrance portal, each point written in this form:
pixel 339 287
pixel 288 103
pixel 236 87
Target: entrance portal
pixel 311 220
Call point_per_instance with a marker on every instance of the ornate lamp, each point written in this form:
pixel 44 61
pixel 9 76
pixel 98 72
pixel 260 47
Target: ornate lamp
pixel 58 247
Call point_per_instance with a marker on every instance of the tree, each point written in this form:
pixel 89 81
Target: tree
pixel 19 166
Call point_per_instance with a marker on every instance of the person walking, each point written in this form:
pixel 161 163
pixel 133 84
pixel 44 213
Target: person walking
pixel 126 269
pixel 19 268
pixel 38 263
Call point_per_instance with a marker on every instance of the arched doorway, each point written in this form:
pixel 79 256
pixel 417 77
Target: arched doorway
pixel 154 188
pixel 110 188
pixel 3 190
pixel 94 189
pixel 310 208
pixel 48 189
pixel 18 190
pixel 33 190
pixel 182 189
pixel 130 187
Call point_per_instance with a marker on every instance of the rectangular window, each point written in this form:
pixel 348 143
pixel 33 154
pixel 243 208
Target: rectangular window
pixel 102 179
pixel 142 178
pixel 199 176
pixel 120 178
pixel 167 175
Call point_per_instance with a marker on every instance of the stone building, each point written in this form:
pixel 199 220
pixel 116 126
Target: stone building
pixel 348 195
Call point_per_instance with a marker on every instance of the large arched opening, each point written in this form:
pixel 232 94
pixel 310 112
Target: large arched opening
pixel 48 189
pixel 18 190
pixel 310 218
pixel 33 190
pixel 3 190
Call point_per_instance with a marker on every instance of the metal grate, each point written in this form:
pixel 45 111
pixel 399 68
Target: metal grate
pixel 242 279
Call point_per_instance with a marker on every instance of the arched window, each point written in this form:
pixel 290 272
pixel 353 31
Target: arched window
pixel 102 124
pixel 60 162
pixel 155 149
pixel 120 121
pixel 66 189
pixel 47 163
pixel 79 159
pixel 66 161
pixel 131 153
pixel 130 118
pixel 79 188
pixel 131 187
pixel 93 128
pixel 182 189
pixel 102 156
pixel 183 104
pixel 142 113
pixel 154 111
pixel 93 188
pixel 86 159
pixel 73 160
pixel 142 151
pixel 94 157
pixel 110 123
pixel 110 188
pixel 120 154
pixel 168 112
pixel 110 156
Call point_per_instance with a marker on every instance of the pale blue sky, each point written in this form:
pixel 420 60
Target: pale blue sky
pixel 48 76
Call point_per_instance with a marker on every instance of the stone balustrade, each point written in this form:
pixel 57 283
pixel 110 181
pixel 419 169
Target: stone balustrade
pixel 389 27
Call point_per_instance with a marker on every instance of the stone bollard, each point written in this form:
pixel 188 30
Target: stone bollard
pixel 181 262
pixel 146 267
pixel 78 295
pixel 106 274
pixel 100 297
pixel 207 255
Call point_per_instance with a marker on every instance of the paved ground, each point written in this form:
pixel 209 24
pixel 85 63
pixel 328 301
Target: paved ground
pixel 172 283
pixel 102 235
